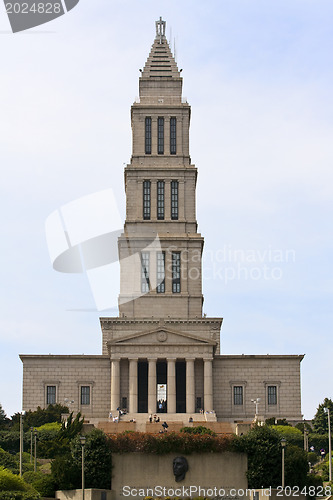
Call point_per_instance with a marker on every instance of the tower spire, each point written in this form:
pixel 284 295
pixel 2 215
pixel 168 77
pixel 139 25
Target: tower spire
pixel 160 29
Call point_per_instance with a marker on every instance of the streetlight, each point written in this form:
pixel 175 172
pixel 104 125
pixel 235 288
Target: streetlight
pixel 21 440
pixel 256 402
pixel 31 434
pixel 283 445
pixel 83 442
pixel 327 410
pixel 35 434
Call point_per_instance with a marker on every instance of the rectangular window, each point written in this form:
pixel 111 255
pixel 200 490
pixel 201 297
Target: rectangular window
pixel 160 135
pixel 173 139
pixel 175 272
pixel 238 395
pixel 272 395
pixel 160 200
pixel 148 135
pixel 160 272
pixel 145 272
pixel 85 395
pixel 146 200
pixel 174 200
pixel 124 403
pixel 51 391
pixel 198 403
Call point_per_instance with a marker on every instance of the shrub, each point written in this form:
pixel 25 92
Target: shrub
pixel 200 429
pixel 10 481
pixel 66 473
pixel 43 483
pixel 8 461
pixel 287 430
pixel 52 426
pixel 10 441
pixel 263 447
pixel 97 471
pixel 169 442
pixel 296 466
pixel 19 495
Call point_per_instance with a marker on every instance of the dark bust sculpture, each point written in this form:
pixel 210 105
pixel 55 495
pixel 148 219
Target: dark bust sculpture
pixel 180 467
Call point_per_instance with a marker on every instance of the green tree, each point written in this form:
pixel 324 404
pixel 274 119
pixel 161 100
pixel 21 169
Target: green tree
pixel 3 419
pixel 301 425
pixel 40 416
pixel 296 466
pixel 320 421
pixel 263 448
pixel 97 470
pixel 66 473
pixel 53 441
pixel 66 469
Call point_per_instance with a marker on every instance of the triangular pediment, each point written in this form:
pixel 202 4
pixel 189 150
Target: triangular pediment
pixel 161 336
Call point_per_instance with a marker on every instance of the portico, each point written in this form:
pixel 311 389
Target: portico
pixel 163 371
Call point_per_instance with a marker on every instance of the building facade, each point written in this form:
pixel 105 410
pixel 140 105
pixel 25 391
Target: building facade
pixel 161 354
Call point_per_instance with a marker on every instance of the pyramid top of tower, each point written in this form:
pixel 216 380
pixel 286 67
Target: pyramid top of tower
pixel 161 62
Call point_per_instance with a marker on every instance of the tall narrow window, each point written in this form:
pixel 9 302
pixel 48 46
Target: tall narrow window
pixel 85 395
pixel 160 135
pixel 175 272
pixel 174 200
pixel 148 135
pixel 173 136
pixel 160 200
pixel 272 395
pixel 51 395
pixel 238 395
pixel 145 272
pixel 146 200
pixel 160 272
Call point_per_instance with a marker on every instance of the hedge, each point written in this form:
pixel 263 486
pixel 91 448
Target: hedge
pixel 171 442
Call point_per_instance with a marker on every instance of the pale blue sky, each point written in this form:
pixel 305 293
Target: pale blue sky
pixel 258 75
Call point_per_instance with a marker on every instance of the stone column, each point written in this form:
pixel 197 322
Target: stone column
pixel 152 401
pixel 171 386
pixel 133 385
pixel 115 384
pixel 190 391
pixel 208 384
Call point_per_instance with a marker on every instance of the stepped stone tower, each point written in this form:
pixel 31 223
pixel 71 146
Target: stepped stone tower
pixel 161 338
pixel 161 354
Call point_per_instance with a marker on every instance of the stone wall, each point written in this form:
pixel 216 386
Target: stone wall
pixel 68 374
pixel 255 373
pixel 136 471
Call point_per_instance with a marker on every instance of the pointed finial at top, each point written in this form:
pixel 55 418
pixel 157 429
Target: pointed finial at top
pixel 160 29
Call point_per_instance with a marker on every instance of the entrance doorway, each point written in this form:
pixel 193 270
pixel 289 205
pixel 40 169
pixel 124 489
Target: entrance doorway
pixel 181 387
pixel 142 387
pixel 161 379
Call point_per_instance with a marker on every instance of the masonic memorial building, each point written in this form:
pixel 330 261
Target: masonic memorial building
pixel 161 354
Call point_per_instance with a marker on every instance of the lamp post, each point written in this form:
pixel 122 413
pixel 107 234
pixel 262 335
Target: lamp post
pixel 35 435
pixel 283 445
pixel 31 440
pixel 83 442
pixel 21 440
pixel 327 410
pixel 256 402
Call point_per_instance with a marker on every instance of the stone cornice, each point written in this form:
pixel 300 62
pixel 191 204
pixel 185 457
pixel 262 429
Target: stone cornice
pixel 260 356
pixel 118 320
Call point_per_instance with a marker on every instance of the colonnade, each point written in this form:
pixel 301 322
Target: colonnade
pixel 152 385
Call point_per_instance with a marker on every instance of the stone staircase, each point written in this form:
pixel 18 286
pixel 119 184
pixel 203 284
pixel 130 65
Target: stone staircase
pixel 175 422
